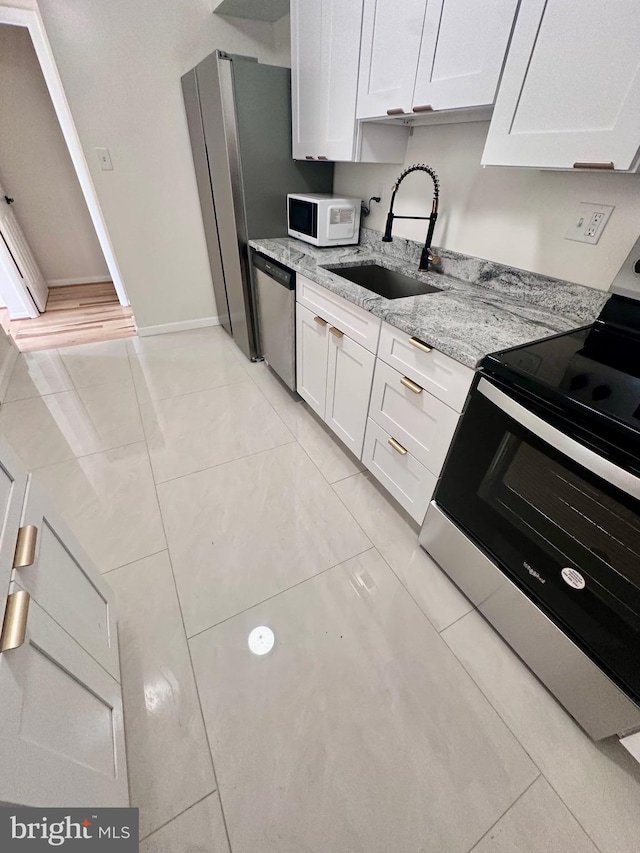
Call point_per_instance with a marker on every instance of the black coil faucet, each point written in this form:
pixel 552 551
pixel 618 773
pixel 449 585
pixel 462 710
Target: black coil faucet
pixel 427 256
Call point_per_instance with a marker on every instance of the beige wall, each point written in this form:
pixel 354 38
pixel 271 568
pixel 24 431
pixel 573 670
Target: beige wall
pixel 121 63
pixel 36 169
pixel 515 216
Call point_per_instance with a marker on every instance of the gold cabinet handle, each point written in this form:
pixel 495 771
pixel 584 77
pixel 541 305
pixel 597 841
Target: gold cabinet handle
pixel 423 108
pixel 322 157
pixel 25 553
pixel 14 627
pixel 397 446
pixel 320 321
pixel 418 344
pixel 604 165
pixel 412 386
pixel 396 111
pixel 336 332
pixel 309 157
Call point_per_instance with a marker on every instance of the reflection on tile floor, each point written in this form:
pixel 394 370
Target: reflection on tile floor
pixel 387 718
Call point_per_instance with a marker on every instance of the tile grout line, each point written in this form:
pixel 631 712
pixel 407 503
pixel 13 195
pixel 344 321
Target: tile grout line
pixel 175 817
pixel 87 455
pixel 131 562
pixel 525 750
pixel 280 592
pixel 219 464
pixel 186 639
pixel 506 811
pixel 312 414
pixel 387 563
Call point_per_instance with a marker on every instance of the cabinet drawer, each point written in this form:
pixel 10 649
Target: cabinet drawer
pixel 358 324
pixel 440 375
pixel 418 420
pixel 409 482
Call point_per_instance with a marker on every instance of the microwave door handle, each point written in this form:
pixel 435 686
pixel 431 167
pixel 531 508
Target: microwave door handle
pixel 589 459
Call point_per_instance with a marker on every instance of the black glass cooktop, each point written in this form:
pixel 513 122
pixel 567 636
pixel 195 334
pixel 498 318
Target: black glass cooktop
pixel 594 369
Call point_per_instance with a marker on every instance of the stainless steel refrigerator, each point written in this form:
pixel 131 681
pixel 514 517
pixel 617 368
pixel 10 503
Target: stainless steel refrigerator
pixel 239 117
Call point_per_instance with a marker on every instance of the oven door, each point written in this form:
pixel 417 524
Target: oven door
pixel 560 519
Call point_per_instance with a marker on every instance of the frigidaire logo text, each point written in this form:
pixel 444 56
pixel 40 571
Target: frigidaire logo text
pixel 534 574
pixel 57 832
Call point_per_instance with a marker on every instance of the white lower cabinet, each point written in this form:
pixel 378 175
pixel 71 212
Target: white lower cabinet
pixel 334 373
pixel 409 482
pixel 312 348
pixel 349 377
pixel 62 734
pixel 421 423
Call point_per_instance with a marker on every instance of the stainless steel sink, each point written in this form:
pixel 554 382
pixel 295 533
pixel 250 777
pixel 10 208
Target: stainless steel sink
pixel 384 282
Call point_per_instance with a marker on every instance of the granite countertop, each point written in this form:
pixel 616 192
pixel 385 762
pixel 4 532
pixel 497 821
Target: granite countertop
pixel 483 307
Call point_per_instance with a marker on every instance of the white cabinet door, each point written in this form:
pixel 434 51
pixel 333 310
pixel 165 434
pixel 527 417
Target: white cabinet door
pixel 62 733
pixel 349 378
pixel 325 51
pixel 65 583
pixel 308 108
pixel 13 485
pixel 391 34
pixel 570 92
pixel 312 343
pixel 463 48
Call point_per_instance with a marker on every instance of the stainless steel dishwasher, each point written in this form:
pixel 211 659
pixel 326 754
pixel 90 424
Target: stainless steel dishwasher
pixel 276 301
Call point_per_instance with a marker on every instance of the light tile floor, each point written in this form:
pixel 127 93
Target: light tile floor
pixel 388 718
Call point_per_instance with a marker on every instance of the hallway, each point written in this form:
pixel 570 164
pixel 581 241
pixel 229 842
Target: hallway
pixel 75 314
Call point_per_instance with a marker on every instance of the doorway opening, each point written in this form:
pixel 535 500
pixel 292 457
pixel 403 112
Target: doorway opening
pixel 59 280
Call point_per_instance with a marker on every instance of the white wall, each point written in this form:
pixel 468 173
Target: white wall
pixel 121 63
pixel 514 216
pixel 36 169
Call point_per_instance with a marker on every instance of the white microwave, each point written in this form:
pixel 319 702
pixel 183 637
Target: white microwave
pixel 322 219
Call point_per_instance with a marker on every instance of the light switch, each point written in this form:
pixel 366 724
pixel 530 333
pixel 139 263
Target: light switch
pixel 104 158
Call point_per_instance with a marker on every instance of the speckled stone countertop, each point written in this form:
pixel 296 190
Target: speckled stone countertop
pixel 483 307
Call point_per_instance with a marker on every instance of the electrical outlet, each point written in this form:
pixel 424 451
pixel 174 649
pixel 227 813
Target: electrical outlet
pixel 104 158
pixel 589 222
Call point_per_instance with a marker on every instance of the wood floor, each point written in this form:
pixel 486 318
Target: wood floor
pixel 75 314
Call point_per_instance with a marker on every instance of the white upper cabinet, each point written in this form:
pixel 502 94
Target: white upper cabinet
pixel 570 92
pixel 391 34
pixel 325 49
pixel 464 43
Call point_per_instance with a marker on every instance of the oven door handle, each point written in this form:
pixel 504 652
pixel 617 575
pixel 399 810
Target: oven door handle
pixel 571 448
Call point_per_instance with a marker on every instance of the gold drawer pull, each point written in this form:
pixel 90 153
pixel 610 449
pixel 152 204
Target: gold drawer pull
pixel 14 626
pixel 322 157
pixel 396 111
pixel 309 157
pixel 397 446
pixel 25 552
pixel 336 332
pixel 423 108
pixel 412 386
pixel 418 344
pixel 605 166
pixel 320 321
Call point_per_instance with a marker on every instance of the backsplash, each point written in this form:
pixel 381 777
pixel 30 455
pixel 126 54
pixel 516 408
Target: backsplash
pixel 576 301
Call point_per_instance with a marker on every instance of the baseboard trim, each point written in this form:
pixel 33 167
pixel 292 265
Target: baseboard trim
pixel 87 279
pixel 182 326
